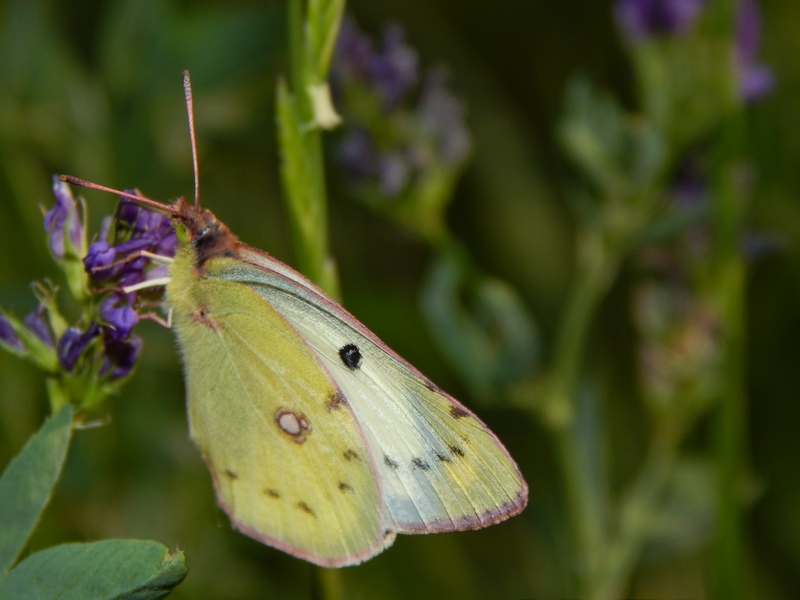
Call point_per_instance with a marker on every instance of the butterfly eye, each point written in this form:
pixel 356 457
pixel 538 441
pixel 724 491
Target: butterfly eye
pixel 351 356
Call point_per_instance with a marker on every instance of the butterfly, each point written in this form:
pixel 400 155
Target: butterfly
pixel 321 441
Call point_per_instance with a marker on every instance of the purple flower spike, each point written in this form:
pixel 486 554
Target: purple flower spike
pixel 120 356
pixel 755 80
pixel 120 320
pixel 394 69
pixel 73 343
pixel 643 19
pixel 36 321
pixel 62 222
pixel 353 51
pixel 8 336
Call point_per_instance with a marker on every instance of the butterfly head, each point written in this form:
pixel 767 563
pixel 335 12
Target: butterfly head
pixel 206 235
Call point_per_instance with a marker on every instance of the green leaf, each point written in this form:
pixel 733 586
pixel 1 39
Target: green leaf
pixel 118 569
pixel 480 323
pixel 27 484
pixel 621 154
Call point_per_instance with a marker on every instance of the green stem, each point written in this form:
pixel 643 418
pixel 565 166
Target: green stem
pixel 328 584
pixel 728 293
pixel 731 442
pixel 591 287
pixel 636 513
pixel 296 37
pixel 584 501
pixel 303 169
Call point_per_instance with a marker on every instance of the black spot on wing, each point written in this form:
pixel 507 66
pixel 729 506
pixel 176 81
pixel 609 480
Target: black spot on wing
pixel 443 458
pixel 420 464
pixel 456 451
pixel 335 402
pixel 231 474
pixel 305 508
pixel 272 493
pixel 350 454
pixel 392 464
pixel 351 356
pixel 457 412
pixel 344 487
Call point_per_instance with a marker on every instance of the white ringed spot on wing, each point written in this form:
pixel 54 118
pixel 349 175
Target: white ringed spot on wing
pixel 293 424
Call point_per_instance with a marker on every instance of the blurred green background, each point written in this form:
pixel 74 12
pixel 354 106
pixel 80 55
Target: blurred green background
pixel 93 89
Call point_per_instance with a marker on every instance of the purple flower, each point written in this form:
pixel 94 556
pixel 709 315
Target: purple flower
pixel 390 72
pixel 119 320
pixel 98 259
pixel 62 222
pixel 132 214
pixel 73 343
pixel 642 19
pixel 8 336
pixel 394 173
pixel 36 321
pixel 397 131
pixel 353 51
pixel 120 356
pixel 393 70
pixel 356 152
pixel 755 80
pixel 137 229
pixel 441 116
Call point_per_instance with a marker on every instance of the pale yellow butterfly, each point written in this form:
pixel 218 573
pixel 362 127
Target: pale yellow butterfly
pixel 321 441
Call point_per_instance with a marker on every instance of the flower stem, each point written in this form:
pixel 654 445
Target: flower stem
pixel 636 512
pixel 727 292
pixel 585 500
pixel 303 169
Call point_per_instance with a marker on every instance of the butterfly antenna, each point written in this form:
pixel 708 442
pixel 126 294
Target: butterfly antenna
pixel 187 91
pixel 140 200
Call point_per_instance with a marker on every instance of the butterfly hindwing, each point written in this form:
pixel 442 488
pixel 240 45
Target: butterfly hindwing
pixel 290 461
pixel 438 466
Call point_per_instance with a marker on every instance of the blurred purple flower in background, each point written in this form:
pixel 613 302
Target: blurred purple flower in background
pixel 642 19
pixel 393 69
pixel 399 123
pixel 755 80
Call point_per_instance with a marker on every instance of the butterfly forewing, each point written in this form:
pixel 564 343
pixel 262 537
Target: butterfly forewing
pixel 290 461
pixel 439 467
